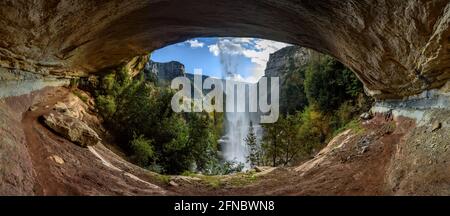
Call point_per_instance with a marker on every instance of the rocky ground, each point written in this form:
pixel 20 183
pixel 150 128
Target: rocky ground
pixel 60 167
pixel 386 155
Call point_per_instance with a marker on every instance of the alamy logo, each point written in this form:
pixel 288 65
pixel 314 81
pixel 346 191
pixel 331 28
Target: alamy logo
pixel 239 96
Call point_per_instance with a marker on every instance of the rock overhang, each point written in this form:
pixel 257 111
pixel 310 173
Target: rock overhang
pixel 397 48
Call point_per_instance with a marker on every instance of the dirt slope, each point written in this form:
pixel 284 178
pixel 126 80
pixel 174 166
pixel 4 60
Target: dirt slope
pixel 82 171
pixel 384 156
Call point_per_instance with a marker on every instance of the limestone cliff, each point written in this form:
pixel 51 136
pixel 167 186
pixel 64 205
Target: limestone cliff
pixel 284 59
pixel 164 71
pixel 288 64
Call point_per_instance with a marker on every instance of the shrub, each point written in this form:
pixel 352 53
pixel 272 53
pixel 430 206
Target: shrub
pixel 106 104
pixel 344 114
pixel 143 152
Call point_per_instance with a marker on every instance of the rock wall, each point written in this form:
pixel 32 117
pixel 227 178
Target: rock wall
pixel 397 48
pixel 17 175
pixel 286 58
pixel 164 71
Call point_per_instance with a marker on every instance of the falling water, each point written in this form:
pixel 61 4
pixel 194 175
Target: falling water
pixel 234 147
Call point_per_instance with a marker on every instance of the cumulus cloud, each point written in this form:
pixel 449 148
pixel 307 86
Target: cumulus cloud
pixel 214 49
pixel 195 43
pixel 257 50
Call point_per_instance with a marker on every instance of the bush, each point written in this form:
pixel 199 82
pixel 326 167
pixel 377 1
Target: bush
pixel 106 105
pixel 143 152
pixel 224 168
pixel 344 114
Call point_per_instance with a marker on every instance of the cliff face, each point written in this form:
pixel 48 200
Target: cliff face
pixel 286 58
pixel 287 64
pixel 164 71
pixel 397 48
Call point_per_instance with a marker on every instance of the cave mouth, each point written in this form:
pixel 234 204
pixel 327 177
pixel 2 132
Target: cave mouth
pixel 396 48
pixel 290 84
pixel 240 62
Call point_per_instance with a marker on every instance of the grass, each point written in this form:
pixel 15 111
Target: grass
pixel 163 179
pixel 212 181
pixel 239 179
pixel 354 125
pixel 243 179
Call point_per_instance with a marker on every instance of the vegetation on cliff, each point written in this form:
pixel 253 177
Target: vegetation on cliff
pixel 152 134
pixel 320 98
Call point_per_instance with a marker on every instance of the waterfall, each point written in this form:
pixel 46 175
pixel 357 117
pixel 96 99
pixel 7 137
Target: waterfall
pixel 234 147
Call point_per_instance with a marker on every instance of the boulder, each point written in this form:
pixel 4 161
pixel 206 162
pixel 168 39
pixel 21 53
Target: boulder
pixel 366 116
pixel 173 184
pixel 262 168
pixel 61 108
pixel 72 129
pixel 33 108
pixel 436 126
pixel 72 106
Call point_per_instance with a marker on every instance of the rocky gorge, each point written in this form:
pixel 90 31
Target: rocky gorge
pixel 400 50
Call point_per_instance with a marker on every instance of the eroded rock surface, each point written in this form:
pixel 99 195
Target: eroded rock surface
pixel 72 129
pixel 283 60
pixel 37 161
pixel 397 48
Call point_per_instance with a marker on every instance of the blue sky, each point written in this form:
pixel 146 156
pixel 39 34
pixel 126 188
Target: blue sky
pixel 244 58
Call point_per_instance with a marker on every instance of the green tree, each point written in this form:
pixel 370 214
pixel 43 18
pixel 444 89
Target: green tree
pixel 329 83
pixel 252 143
pixel 143 152
pixel 155 136
pixel 106 105
pixel 292 93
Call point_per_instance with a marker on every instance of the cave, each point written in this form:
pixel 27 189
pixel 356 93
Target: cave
pixel 399 50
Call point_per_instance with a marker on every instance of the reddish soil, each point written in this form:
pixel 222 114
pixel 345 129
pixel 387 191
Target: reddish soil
pixel 81 173
pixel 355 162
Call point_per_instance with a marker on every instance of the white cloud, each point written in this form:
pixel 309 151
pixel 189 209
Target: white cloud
pixel 195 43
pixel 257 50
pixel 214 49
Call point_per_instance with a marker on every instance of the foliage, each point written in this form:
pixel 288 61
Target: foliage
pixel 154 135
pixel 224 168
pixel 143 151
pixel 292 92
pixel 328 83
pixel 254 157
pixel 354 125
pixel 293 137
pixel 106 105
pixel 328 97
